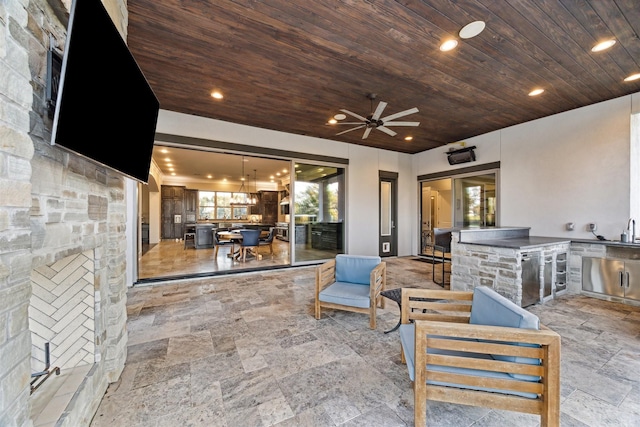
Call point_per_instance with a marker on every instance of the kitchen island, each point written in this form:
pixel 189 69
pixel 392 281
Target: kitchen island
pixel 526 269
pixel 205 230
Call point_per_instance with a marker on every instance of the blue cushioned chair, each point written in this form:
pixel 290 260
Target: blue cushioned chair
pixel 250 240
pixel 351 283
pixel 268 241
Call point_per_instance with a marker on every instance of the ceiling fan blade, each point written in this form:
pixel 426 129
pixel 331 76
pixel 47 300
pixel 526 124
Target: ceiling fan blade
pixel 400 114
pixel 386 130
pixel 349 130
pixel 344 123
pixel 351 113
pixel 376 114
pixel 402 123
pixel 367 131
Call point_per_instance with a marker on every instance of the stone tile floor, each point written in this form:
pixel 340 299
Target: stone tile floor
pixel 245 350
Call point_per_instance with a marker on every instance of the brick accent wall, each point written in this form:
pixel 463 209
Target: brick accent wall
pixel 53 205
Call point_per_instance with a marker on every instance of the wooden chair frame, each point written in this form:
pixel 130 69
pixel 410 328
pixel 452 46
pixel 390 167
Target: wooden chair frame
pixel 443 323
pixel 326 275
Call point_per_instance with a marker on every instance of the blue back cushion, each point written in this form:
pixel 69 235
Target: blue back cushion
pixel 491 308
pixel 355 268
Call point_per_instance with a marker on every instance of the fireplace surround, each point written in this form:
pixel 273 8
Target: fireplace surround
pixel 57 210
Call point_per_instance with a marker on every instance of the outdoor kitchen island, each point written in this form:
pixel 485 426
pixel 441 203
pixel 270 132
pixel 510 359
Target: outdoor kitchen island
pixel 526 269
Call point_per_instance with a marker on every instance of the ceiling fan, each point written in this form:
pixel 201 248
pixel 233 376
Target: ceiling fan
pixel 374 121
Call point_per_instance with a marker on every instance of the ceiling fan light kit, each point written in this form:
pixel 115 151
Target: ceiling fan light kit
pixel 374 121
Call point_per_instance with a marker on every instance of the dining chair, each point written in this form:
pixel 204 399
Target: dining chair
pixel 217 242
pixel 268 240
pixel 250 241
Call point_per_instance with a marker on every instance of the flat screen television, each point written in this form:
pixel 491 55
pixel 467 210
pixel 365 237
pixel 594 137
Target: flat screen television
pixel 105 109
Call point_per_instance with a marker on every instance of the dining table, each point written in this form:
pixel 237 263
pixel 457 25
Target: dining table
pixel 236 239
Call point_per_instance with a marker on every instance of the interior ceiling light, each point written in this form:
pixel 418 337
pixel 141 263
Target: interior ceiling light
pixel 408 138
pixel 340 116
pixel 603 45
pixel 448 45
pixel 632 77
pixel 333 121
pixel 536 92
pixel 217 95
pixel 472 29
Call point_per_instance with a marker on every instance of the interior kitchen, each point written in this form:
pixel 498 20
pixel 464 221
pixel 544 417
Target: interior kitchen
pixel 203 196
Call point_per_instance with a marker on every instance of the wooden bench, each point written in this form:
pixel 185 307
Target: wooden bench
pixel 457 356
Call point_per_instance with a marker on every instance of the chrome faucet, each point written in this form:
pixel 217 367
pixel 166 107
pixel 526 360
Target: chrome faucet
pixel 633 233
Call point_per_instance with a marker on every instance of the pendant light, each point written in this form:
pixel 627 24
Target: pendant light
pixel 240 198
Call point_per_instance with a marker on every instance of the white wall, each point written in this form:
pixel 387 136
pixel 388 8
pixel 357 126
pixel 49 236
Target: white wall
pixel 362 174
pixel 570 167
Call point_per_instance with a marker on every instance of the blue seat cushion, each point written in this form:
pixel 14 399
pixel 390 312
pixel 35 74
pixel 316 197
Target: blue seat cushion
pixel 349 294
pixel 355 268
pixel 492 309
pixel 407 338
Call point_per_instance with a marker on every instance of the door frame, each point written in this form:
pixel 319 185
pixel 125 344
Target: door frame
pixel 388 243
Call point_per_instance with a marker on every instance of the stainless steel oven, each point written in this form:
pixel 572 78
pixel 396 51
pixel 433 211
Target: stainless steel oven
pixel 282 231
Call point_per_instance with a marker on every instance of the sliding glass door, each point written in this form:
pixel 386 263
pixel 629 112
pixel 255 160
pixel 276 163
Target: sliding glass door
pixel 457 202
pixel 318 212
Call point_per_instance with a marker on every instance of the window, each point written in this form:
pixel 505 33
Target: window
pixel 217 205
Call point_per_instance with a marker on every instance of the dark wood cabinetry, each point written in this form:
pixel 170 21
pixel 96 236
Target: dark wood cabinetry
pixel 190 205
pixel 326 235
pixel 267 206
pixel 172 211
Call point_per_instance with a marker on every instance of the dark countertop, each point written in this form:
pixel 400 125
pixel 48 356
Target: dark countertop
pixel 520 242
pixel 536 241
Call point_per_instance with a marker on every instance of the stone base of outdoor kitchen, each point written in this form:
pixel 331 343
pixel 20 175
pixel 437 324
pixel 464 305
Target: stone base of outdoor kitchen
pixel 495 257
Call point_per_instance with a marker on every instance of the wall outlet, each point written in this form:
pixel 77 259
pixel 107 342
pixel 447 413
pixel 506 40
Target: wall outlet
pixel 593 226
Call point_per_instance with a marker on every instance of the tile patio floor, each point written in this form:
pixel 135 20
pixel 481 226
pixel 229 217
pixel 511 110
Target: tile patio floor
pixel 245 350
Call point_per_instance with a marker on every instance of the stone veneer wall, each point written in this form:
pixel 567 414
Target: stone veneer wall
pixel 52 205
pixel 498 268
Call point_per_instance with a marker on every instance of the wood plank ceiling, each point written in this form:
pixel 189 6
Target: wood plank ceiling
pixel 292 65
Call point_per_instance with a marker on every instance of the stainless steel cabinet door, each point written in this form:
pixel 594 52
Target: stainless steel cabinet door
pixel 603 276
pixel 632 279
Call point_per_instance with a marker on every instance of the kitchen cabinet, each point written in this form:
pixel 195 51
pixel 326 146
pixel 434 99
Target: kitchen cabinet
pixel 172 211
pixel 611 276
pixel 326 235
pixel 145 233
pixel 190 205
pixel 267 207
pixel 204 236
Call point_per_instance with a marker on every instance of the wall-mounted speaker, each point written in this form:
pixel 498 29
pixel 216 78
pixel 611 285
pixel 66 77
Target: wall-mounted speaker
pixel 463 155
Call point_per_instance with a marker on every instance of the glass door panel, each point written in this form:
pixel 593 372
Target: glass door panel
pixel 475 201
pixel 318 212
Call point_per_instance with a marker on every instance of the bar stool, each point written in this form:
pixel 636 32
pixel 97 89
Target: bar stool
pixel 190 237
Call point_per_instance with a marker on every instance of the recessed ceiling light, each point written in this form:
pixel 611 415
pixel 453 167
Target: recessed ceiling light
pixel 408 138
pixel 603 45
pixel 285 170
pixel 632 77
pixel 536 92
pixel 209 176
pixel 448 45
pixel 340 116
pixel 332 121
pixel 217 95
pixel 472 29
pixel 164 150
